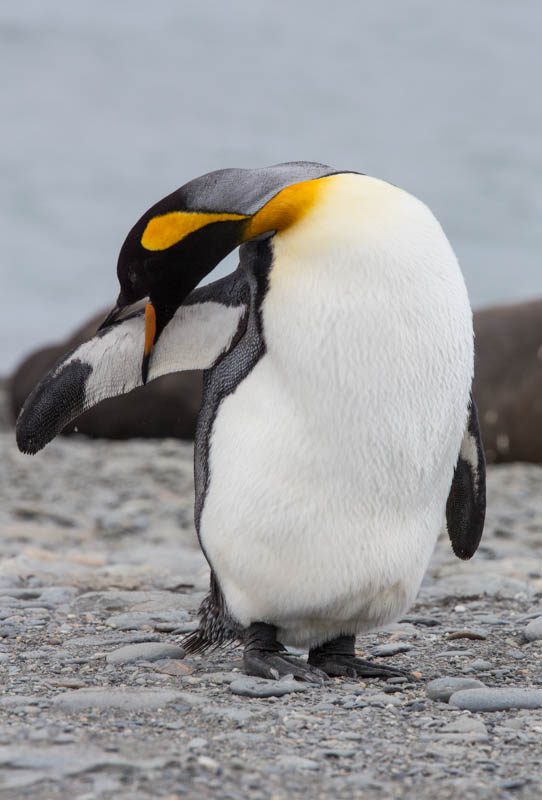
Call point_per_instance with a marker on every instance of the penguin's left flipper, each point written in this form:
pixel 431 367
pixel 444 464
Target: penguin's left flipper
pixel 466 505
pixel 202 329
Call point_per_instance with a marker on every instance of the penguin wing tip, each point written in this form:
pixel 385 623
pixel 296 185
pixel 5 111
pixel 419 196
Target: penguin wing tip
pixel 27 441
pixel 465 552
pixel 28 444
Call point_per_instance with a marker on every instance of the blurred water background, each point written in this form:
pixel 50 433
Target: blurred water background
pixel 107 105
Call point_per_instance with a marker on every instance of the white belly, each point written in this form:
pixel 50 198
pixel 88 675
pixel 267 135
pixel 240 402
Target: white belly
pixel 331 463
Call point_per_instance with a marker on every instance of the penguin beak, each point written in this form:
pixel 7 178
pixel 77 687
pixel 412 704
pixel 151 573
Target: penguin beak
pixel 150 339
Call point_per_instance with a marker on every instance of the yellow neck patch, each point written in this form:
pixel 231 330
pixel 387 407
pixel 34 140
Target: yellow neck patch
pixel 282 211
pixel 166 230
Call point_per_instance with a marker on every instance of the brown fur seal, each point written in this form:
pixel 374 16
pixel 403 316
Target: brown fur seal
pixel 508 380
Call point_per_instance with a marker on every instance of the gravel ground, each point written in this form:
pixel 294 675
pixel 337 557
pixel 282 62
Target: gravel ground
pixel 100 571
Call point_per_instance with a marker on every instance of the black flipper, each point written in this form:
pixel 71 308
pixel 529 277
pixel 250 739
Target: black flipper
pixel 466 505
pixel 198 335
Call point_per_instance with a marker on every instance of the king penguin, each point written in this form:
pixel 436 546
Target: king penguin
pixel 337 434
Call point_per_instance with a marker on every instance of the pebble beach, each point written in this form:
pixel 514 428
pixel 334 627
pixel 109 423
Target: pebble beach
pixel 100 577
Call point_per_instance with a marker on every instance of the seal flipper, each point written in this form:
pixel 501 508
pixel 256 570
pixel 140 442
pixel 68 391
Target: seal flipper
pixel 466 505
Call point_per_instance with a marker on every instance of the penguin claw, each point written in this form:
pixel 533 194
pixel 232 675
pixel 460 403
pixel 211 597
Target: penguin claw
pixel 263 664
pixel 352 667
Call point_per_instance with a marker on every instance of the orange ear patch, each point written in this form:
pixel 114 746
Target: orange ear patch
pixel 166 230
pixel 285 208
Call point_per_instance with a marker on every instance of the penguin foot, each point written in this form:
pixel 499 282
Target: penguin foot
pixel 265 657
pixel 337 658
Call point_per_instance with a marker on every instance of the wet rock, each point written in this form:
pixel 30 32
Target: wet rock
pixel 497 699
pixel 443 688
pixel 152 651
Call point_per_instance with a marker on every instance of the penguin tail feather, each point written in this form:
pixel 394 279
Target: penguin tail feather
pixel 217 629
pixel 199 641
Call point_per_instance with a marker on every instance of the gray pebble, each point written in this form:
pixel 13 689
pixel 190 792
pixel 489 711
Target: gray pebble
pixel 513 784
pixel 337 752
pixel 103 640
pixel 123 600
pixel 385 650
pixel 232 713
pixel 454 653
pixel 126 699
pixel 465 724
pixel 443 688
pixel 480 665
pixel 57 595
pixel 296 762
pixel 401 627
pixel 533 631
pixel 475 586
pixel 260 687
pixel 139 619
pixel 496 699
pixel 19 699
pixel 221 677
pixel 197 744
pixel 380 699
pixel 151 651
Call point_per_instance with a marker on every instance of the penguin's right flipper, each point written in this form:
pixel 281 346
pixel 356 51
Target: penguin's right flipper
pixel 466 505
pixel 203 328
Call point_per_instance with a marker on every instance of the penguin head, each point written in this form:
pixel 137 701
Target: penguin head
pixel 185 235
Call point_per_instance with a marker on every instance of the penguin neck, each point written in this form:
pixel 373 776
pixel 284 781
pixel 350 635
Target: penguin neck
pixel 362 232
